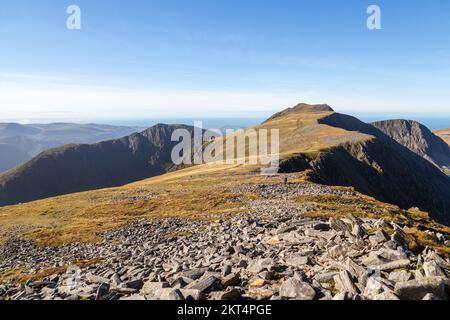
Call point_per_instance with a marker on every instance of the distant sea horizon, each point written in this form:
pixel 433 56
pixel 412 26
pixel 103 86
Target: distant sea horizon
pixel 432 121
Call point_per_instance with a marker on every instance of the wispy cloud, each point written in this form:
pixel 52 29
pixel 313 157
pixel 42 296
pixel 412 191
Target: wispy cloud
pixel 31 96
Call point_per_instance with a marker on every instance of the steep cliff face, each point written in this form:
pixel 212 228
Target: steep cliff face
pixel 419 139
pixel 75 168
pixel 379 167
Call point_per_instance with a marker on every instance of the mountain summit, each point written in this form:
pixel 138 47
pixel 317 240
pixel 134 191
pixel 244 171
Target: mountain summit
pixel 303 107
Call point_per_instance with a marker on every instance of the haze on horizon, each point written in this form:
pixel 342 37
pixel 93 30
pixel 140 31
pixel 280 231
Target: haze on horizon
pixel 225 58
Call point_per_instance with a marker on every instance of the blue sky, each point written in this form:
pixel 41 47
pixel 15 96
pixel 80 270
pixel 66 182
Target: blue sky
pixel 192 58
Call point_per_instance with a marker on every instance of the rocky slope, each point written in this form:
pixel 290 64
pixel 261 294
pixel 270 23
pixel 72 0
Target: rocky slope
pixel 269 251
pixel 418 139
pixel 74 168
pixel 31 139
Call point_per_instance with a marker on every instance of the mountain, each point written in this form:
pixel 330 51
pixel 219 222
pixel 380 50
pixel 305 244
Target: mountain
pixel 444 134
pixel 301 107
pixel 31 139
pixel 341 150
pixel 81 167
pixel 418 139
pixel 11 157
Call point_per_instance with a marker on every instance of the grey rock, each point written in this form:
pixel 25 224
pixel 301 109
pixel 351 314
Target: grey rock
pixel 195 273
pixel 203 284
pixel 297 290
pixel 344 282
pixel 90 278
pixel 418 289
pixel 232 279
pixel 135 284
pixel 398 264
pixel 400 276
pixel 150 287
pixel 431 269
pixel 381 236
pixel 168 294
pixel 386 295
pixel 297 261
pixel 230 294
pixel 102 291
pixel 192 294
pixel 346 296
pixel 260 265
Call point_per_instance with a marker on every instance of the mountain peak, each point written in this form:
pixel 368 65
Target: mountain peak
pixel 303 108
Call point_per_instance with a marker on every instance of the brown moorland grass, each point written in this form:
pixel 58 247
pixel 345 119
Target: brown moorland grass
pixel 189 193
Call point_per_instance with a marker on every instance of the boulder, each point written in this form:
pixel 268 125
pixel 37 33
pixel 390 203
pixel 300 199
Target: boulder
pixel 344 282
pixel 297 290
pixel 418 289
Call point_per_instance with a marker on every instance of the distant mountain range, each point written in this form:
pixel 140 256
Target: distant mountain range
pixel 81 167
pixel 19 143
pixel 337 149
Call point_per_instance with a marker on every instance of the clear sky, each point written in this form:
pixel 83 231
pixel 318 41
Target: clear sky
pixel 192 58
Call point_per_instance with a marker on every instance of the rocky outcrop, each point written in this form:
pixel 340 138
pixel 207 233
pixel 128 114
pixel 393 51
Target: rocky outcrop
pixel 419 139
pixel 74 168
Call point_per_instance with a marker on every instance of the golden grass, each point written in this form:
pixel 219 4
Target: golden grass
pixel 23 276
pixel 85 225
pixel 191 193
